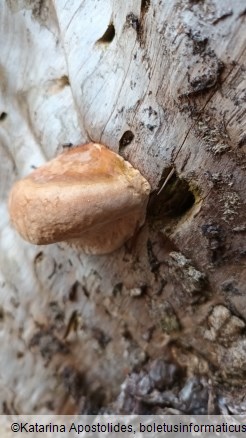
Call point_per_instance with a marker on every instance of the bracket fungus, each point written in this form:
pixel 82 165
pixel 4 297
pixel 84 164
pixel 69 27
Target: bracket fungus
pixel 88 195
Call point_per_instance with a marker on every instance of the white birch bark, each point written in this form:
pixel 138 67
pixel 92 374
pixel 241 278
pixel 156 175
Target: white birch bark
pixel 165 87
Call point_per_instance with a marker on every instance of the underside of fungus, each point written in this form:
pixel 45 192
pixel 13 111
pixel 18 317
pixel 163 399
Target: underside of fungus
pixel 88 195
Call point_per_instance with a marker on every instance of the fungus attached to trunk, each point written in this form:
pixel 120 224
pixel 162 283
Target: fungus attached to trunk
pixel 88 195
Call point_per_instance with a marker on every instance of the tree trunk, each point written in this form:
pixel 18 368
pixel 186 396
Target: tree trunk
pixel 163 84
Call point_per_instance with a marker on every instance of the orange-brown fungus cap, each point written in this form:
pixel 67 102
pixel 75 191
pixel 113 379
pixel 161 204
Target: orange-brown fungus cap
pixel 89 195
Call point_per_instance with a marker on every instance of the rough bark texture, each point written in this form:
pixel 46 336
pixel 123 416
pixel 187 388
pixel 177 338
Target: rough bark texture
pixel 162 83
